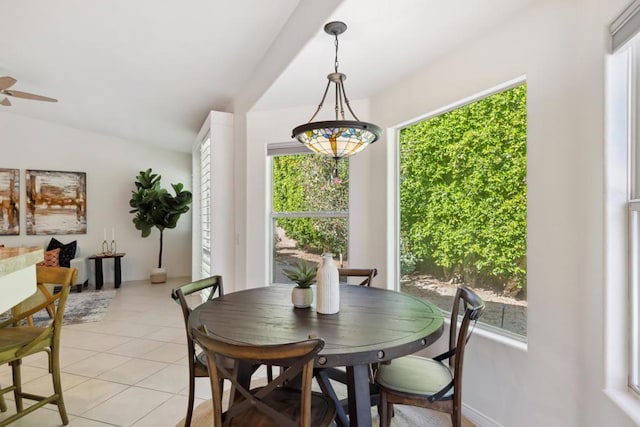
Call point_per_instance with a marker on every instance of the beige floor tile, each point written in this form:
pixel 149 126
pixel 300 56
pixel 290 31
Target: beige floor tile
pixel 167 414
pixel 91 341
pixel 127 407
pixel 42 417
pixel 168 334
pixel 84 422
pixel 168 352
pixel 27 373
pixel 96 365
pixel 136 347
pixel 70 356
pixel 171 379
pixel 133 371
pixel 202 388
pixel 124 328
pixel 89 394
pixel 37 360
pixel 44 385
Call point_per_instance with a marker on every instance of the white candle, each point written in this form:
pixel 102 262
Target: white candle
pixel 113 233
pixel 104 234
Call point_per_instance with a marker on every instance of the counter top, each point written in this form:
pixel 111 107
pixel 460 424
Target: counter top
pixel 14 259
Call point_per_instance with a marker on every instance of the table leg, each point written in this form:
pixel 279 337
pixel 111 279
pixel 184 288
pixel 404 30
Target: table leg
pixel 359 397
pixel 99 279
pixel 118 275
pixel 327 389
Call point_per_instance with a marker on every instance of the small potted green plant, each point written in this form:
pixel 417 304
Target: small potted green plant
pixel 303 275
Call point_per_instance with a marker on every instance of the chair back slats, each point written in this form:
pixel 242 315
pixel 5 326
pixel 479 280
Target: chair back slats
pixel 296 358
pixel 367 273
pixel 473 307
pixel 211 287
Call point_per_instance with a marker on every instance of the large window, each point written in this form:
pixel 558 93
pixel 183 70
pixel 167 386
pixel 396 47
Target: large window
pixel 463 206
pixel 310 199
pixel 624 191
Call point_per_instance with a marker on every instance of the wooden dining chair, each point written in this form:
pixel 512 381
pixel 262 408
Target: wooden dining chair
pixel 432 383
pixel 45 298
pixel 367 273
pixel 275 404
pixel 208 288
pixel 18 342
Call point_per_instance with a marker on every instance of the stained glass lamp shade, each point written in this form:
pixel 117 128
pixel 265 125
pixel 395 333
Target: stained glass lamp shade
pixel 337 138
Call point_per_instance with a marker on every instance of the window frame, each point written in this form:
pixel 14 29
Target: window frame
pixel 491 331
pixel 288 149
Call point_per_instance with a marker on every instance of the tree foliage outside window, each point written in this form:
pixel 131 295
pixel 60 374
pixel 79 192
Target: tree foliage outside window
pixel 463 193
pixel 306 183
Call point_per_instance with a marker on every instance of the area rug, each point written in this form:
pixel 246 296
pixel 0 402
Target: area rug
pixel 405 416
pixel 82 307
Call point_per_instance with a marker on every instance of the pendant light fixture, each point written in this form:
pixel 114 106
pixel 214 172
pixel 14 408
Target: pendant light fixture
pixel 340 137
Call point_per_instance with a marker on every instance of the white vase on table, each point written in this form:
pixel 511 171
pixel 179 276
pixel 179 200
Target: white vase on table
pixel 328 298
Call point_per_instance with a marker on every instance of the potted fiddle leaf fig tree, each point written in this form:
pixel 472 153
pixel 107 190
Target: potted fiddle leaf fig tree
pixel 155 207
pixel 303 275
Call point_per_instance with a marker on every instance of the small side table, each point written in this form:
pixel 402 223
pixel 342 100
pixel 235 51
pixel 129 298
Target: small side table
pixel 117 268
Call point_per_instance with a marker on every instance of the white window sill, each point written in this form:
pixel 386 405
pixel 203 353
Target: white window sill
pixel 626 401
pixel 496 335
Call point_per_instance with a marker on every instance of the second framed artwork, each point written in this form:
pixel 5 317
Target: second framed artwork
pixel 9 202
pixel 56 202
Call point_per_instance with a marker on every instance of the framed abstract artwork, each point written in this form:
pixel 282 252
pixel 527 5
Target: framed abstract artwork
pixel 56 202
pixel 9 202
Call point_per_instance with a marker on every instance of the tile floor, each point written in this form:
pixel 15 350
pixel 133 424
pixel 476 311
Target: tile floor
pixel 130 369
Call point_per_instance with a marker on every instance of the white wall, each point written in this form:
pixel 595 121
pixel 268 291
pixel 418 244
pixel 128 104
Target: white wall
pixel 561 47
pixel 111 165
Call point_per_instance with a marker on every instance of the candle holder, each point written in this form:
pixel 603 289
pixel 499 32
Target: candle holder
pixel 105 247
pixel 113 247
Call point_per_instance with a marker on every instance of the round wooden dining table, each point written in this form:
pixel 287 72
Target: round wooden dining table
pixel 373 325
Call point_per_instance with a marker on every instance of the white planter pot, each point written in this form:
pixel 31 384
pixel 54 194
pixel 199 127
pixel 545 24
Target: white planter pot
pixel 301 297
pixel 158 275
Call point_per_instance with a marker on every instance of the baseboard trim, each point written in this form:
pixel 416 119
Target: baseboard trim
pixel 478 418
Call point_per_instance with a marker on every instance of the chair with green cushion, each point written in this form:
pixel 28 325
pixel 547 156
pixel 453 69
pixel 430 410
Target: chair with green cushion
pixel 18 342
pixel 207 289
pixel 276 404
pixel 432 383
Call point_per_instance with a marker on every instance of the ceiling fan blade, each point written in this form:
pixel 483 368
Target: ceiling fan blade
pixel 5 102
pixel 6 82
pixel 27 95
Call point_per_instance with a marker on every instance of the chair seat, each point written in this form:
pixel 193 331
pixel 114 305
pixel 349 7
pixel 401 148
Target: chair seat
pixel 12 339
pixel 415 375
pixel 287 402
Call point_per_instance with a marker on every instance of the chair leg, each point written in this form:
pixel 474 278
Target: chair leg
pixel 57 385
pixel 192 386
pixel 456 419
pixel 17 382
pixel 385 409
pixel 3 404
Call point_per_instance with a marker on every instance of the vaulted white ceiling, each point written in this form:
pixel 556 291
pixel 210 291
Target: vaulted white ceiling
pixel 149 71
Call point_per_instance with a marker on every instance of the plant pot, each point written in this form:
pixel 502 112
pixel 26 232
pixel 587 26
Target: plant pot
pixel 158 275
pixel 301 297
